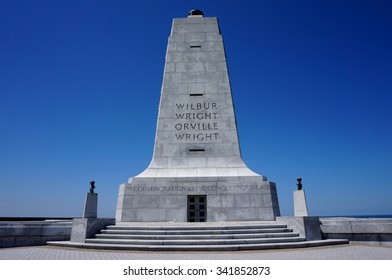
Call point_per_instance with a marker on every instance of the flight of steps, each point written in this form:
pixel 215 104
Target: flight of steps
pixel 197 237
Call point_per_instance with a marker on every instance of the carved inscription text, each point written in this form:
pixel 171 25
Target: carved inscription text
pixel 196 122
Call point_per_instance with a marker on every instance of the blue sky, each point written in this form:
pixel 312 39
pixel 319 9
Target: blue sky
pixel 80 85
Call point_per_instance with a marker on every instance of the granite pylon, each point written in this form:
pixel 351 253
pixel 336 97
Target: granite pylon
pixel 197 173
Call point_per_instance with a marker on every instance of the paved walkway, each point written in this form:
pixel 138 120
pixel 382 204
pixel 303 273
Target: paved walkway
pixel 343 252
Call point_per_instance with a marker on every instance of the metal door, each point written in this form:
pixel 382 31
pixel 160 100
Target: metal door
pixel 197 208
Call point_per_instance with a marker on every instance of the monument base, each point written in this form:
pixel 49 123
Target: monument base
pixel 307 227
pixel 197 200
pixel 87 228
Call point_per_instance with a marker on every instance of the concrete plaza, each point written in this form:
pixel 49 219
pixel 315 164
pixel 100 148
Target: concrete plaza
pixel 342 252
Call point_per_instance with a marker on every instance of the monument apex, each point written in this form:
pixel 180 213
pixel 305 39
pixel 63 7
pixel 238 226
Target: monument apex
pixel 196 13
pixel 197 173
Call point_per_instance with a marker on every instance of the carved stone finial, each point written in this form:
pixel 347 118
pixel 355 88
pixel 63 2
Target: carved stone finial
pixel 92 186
pixel 299 185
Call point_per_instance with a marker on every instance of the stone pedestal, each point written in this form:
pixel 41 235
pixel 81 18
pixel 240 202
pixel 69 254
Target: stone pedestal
pixel 89 224
pixel 300 207
pixel 91 206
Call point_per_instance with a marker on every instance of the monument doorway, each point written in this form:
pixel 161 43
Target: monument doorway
pixel 197 208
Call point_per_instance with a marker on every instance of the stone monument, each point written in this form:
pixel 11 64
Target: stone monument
pixel 89 224
pixel 197 173
pixel 91 203
pixel 300 206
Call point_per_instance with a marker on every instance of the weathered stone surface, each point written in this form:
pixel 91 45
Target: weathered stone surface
pixel 196 149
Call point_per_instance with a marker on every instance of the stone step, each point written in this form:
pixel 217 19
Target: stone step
pixel 198 237
pixel 195 232
pixel 226 247
pixel 197 226
pixel 199 242
pixel 217 236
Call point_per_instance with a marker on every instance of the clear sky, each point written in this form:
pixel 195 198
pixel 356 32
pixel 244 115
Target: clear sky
pixel 80 85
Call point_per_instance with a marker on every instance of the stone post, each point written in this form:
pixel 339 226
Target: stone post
pixel 91 206
pixel 300 207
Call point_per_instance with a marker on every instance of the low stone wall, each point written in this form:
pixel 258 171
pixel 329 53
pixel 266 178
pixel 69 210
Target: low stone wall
pixel 32 233
pixel 307 227
pixel 357 230
pixel 374 231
